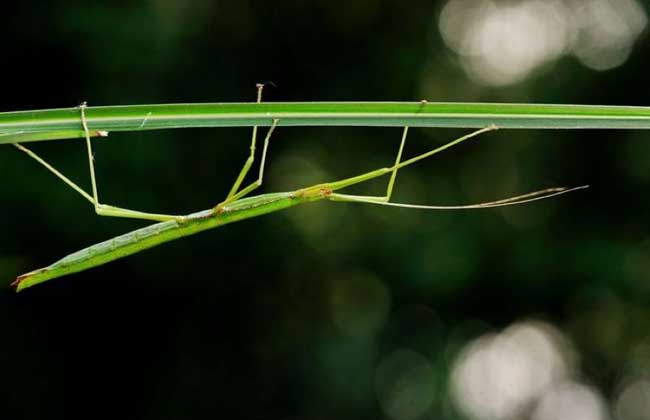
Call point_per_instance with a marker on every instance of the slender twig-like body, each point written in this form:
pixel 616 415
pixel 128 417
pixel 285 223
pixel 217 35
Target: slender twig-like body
pixel 234 208
pixel 156 234
pixel 244 208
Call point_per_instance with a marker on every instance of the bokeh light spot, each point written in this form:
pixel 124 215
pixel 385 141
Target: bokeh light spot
pixel 570 401
pixel 502 43
pixel 634 401
pixel 498 375
pixel 405 385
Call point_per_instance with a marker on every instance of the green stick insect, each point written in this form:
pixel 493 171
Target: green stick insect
pixel 236 206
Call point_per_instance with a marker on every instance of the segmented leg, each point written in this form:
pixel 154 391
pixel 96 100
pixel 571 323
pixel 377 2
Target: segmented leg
pixel 520 199
pixel 253 185
pixel 389 191
pixel 344 183
pixel 100 209
pixel 251 156
pixel 235 193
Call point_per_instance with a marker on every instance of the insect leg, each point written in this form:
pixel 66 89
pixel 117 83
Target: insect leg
pixel 391 182
pixel 104 209
pixel 520 199
pixel 251 156
pixel 344 183
pixel 58 174
pixel 253 185
pixel 107 210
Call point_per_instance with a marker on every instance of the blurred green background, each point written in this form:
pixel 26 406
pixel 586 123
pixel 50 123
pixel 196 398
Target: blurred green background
pixel 332 310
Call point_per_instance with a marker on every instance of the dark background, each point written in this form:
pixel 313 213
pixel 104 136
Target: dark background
pixel 328 310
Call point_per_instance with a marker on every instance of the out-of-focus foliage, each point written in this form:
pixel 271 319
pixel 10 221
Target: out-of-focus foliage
pixel 333 310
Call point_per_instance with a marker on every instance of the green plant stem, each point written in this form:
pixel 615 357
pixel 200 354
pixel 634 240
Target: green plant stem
pixel 55 124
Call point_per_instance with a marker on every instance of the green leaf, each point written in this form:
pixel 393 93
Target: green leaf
pixel 55 124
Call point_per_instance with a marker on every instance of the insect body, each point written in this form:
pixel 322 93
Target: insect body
pixel 235 207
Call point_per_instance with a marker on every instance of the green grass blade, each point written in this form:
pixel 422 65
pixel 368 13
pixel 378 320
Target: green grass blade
pixel 54 124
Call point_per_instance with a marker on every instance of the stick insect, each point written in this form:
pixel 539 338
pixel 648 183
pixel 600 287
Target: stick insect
pixel 236 206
